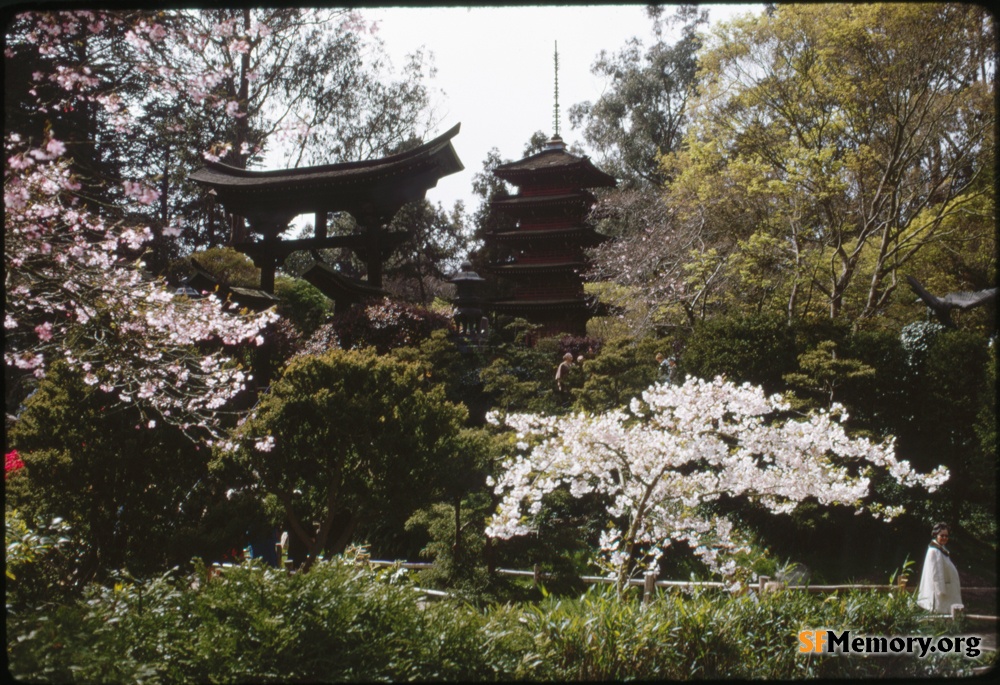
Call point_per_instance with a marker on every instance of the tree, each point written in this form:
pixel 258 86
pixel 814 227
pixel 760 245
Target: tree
pixel 754 349
pixel 217 84
pixel 675 451
pixel 344 438
pixel 418 270
pixel 823 372
pixel 124 486
pixel 66 75
pixel 642 113
pixel 75 288
pixel 623 368
pixel 671 267
pixel 842 142
pixel 520 375
pixel 75 293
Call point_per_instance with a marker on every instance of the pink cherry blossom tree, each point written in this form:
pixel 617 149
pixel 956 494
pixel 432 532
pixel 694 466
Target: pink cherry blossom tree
pixel 675 450
pixel 75 287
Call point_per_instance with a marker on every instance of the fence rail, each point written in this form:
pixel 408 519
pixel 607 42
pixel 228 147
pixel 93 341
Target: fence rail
pixel 649 583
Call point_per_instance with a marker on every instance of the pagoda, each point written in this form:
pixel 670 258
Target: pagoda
pixel 539 264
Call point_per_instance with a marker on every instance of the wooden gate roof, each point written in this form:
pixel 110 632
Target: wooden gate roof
pixel 373 187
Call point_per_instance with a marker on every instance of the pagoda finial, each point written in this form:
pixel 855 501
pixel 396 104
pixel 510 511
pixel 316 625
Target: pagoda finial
pixel 556 113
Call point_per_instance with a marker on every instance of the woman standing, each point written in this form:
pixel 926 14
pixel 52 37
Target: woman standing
pixel 939 585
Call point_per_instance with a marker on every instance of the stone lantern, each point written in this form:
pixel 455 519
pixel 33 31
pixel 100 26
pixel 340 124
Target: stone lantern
pixel 468 300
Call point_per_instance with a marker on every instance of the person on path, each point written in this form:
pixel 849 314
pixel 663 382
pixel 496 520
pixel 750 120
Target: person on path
pixel 666 367
pixel 939 585
pixel 562 372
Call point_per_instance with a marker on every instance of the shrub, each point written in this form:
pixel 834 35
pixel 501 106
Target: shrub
pixel 40 561
pixel 759 349
pixel 119 479
pixel 302 303
pixel 342 439
pixel 386 325
pixel 345 621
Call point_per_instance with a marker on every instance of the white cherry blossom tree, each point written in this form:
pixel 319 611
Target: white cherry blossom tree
pixel 679 448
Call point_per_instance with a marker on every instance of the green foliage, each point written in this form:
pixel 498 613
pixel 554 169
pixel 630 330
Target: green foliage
pixel 228 266
pixel 955 389
pixel 642 113
pixel 878 403
pixel 521 377
pixel 755 348
pixel 784 170
pixel 622 370
pixel 986 424
pixel 103 467
pixel 823 372
pixel 301 303
pixel 347 622
pixel 40 561
pixel 457 545
pixel 341 438
pixel 457 371
pixel 418 269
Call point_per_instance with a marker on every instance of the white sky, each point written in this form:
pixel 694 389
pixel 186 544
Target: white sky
pixel 495 67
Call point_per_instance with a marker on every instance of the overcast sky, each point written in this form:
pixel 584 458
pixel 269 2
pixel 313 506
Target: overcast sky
pixel 495 67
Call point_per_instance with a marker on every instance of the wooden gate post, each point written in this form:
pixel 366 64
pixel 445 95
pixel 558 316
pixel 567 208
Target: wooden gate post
pixel 649 586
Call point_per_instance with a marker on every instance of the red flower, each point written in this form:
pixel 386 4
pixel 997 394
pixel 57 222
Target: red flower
pixel 12 462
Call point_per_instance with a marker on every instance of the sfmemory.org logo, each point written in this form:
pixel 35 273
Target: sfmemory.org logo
pixel 845 642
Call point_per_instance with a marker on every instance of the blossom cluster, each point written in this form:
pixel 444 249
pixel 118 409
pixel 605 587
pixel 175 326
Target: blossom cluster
pixel 74 293
pixel 12 462
pixel 75 290
pixel 678 448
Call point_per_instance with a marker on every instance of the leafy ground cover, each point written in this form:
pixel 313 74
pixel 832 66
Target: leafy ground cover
pixel 349 622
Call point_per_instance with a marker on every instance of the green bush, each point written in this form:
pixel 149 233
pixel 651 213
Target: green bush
pixel 345 621
pixel 350 442
pixel 622 370
pixel 759 349
pixel 302 303
pixel 40 561
pixel 124 483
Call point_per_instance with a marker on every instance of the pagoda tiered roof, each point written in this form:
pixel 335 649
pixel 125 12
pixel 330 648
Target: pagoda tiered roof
pixel 584 235
pixel 539 264
pixel 581 304
pixel 578 202
pixel 555 163
pixel 539 268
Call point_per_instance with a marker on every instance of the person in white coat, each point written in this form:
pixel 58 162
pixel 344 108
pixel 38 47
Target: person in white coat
pixel 939 585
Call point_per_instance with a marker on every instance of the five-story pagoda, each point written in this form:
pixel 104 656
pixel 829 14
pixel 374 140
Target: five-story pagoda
pixel 539 264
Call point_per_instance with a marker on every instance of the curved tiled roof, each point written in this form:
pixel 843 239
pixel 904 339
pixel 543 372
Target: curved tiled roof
pixel 555 161
pixel 542 268
pixel 519 201
pixel 382 184
pixel 336 285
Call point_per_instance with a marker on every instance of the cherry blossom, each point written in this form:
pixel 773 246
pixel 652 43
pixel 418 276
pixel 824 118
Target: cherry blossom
pixel 75 290
pixel 678 448
pixel 74 294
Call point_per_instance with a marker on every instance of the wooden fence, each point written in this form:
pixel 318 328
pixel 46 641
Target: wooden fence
pixel 649 584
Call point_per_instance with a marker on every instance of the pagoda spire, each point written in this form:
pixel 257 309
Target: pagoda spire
pixel 555 117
